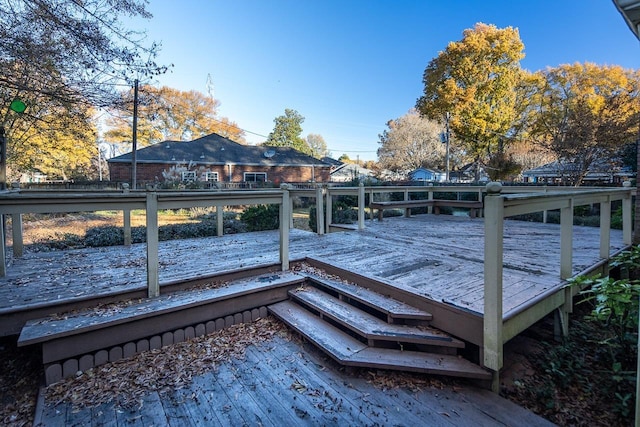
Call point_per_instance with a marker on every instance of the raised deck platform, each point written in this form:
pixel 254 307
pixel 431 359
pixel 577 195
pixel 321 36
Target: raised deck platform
pixel 436 262
pixel 439 259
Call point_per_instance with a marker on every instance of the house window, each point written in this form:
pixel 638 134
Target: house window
pixel 212 176
pixel 188 176
pixel 255 177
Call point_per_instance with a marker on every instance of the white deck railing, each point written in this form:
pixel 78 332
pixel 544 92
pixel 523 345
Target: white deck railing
pixel 499 206
pixel 16 203
pixel 499 203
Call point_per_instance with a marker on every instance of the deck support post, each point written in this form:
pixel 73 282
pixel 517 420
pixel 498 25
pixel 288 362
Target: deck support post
pixel 319 210
pixel 430 197
pixel 566 241
pixel 493 259
pixel 328 212
pixel 627 223
pixel 16 232
pixel 153 282
pixel 561 316
pixel 285 214
pixel 605 228
pixel 219 220
pixel 361 206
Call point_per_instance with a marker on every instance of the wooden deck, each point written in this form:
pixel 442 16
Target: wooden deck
pixel 281 384
pixel 435 256
pixel 434 260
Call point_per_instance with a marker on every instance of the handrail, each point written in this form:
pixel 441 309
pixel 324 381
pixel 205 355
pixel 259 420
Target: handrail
pixel 16 203
pixel 499 206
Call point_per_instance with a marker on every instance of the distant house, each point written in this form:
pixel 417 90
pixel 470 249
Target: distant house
pixel 332 162
pixel 349 172
pixel 468 172
pixel 430 175
pixel 560 172
pixel 215 158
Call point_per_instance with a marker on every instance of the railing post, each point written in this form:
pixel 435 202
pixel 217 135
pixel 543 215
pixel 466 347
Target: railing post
pixel 285 213
pixel 126 219
pixel 371 201
pixel 361 207
pixel 407 211
pixel 126 226
pixel 219 220
pixel 153 281
pixel 319 210
pixel 16 232
pixel 627 224
pixel 430 197
pixel 605 228
pixel 493 253
pixel 329 207
pixel 290 211
pixel 3 248
pixel 566 241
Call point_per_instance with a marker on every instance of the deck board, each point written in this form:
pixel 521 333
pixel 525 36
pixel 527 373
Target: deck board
pixel 285 382
pixel 432 255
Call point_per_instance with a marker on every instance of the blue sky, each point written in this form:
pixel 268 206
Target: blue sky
pixel 350 66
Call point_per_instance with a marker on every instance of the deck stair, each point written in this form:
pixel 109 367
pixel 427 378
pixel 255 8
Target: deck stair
pixel 361 328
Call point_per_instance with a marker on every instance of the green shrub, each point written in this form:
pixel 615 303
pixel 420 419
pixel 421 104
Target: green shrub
pixel 104 236
pixel 341 214
pixel 261 217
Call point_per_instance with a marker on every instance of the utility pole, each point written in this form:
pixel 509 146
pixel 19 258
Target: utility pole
pixel 447 136
pixel 135 135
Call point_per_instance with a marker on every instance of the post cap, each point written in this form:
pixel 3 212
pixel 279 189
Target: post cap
pixel 494 187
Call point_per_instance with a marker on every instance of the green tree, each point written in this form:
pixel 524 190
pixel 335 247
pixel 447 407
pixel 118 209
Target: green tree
pixel 62 57
pixel 586 113
pixel 411 142
pixel 170 114
pixel 287 131
pixel 478 80
pixel 317 145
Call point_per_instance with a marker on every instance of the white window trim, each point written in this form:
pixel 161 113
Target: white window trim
pixel 244 178
pixel 188 176
pixel 212 177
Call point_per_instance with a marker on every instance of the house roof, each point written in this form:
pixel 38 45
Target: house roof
pixel 630 11
pixel 559 168
pixel 350 169
pixel 331 161
pixel 217 150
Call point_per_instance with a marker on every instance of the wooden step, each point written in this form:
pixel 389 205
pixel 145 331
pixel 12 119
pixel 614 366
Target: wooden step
pixel 394 310
pixel 368 326
pixel 348 351
pixel 337 344
pixel 71 335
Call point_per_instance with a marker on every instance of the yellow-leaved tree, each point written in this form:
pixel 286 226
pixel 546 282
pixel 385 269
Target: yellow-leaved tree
pixel 59 146
pixel 478 80
pixel 169 114
pixel 586 113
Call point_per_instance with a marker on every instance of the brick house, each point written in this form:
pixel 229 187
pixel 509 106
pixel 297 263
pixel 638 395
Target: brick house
pixel 214 158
